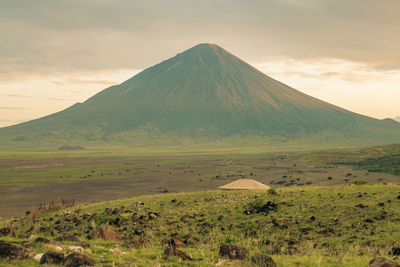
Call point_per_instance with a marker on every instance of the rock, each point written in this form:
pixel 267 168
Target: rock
pixel 153 215
pixel 263 260
pixel 382 262
pixel 37 257
pixel 41 240
pixel 55 247
pixel 233 252
pixel 76 259
pixel 75 248
pixel 117 250
pixel 6 231
pixel 177 242
pixel 108 234
pixel 171 251
pixel 13 251
pixel 396 251
pixel 52 257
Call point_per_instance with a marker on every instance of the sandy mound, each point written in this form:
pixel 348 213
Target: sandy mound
pixel 245 184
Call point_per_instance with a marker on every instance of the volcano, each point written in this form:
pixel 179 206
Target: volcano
pixel 204 92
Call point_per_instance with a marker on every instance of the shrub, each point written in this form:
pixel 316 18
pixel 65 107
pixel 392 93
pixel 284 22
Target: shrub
pixel 359 182
pixel 271 191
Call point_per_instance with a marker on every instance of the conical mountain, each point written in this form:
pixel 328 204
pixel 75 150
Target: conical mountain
pixel 204 92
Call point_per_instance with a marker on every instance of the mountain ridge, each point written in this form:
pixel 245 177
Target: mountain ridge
pixel 204 91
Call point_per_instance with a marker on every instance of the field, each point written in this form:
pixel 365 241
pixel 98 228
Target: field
pixel 328 208
pixel 28 179
pixel 296 226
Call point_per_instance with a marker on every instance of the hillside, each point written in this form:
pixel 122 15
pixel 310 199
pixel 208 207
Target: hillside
pixel 312 226
pixel 203 93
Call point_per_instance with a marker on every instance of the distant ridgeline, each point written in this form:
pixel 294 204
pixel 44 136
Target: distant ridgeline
pixel 202 94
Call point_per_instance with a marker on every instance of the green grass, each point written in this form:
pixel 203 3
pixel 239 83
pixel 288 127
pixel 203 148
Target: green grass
pixel 314 226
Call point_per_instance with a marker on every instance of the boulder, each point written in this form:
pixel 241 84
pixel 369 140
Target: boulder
pixel 52 257
pixel 76 259
pixel 6 231
pixel 233 252
pixel 13 251
pixel 263 260
pixel 37 257
pixel 75 248
pixel 395 251
pixel 382 262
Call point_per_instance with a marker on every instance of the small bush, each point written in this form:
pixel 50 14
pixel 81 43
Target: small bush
pixel 271 191
pixel 359 182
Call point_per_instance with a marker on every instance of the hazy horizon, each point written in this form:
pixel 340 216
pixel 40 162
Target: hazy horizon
pixel 55 54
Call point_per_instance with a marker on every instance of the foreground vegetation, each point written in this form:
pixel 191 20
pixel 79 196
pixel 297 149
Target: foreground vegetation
pixel 314 226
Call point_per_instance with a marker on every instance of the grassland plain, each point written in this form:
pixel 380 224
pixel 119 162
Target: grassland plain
pixel 309 226
pixel 28 179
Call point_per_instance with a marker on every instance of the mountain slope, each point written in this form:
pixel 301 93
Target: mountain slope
pixel 204 92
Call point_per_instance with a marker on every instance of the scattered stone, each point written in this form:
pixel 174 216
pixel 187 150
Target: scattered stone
pixel 396 251
pixel 13 251
pixel 258 207
pixel 233 252
pixel 75 248
pixel 263 260
pixel 37 257
pixel 76 259
pixel 153 215
pixel 108 234
pixel 382 262
pixel 6 231
pixel 52 257
pixel 117 250
pixel 55 247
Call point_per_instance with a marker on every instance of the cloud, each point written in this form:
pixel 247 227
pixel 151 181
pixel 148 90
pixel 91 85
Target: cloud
pixel 56 98
pixel 83 81
pixel 55 37
pixel 18 96
pixel 13 108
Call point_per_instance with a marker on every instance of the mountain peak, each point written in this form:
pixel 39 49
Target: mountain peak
pixel 206 48
pixel 206 91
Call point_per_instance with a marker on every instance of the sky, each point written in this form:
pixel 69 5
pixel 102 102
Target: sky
pixel 54 53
